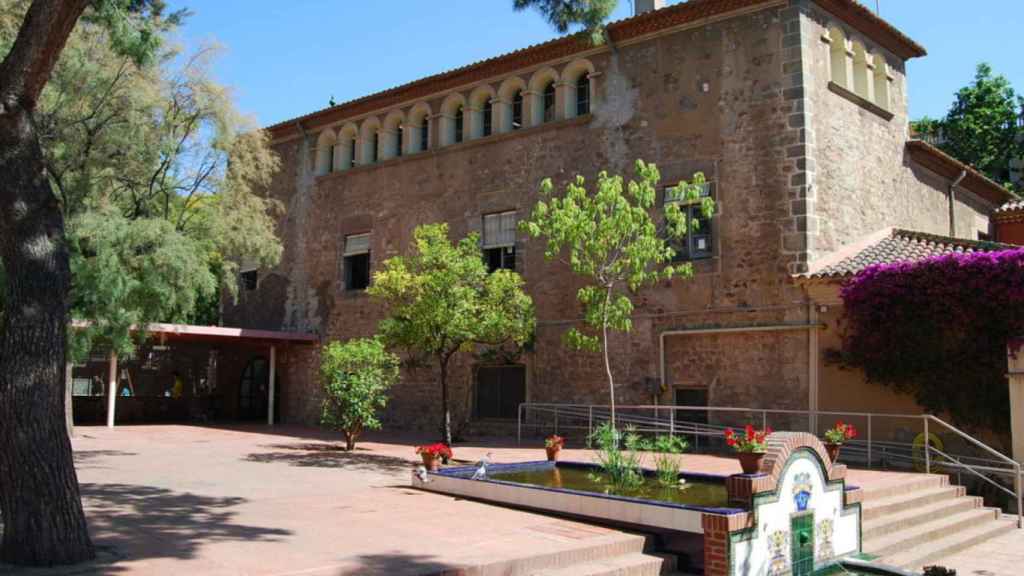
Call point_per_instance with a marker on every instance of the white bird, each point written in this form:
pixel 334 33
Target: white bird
pixel 421 473
pixel 481 468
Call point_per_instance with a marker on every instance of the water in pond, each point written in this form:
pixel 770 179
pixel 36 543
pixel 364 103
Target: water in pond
pixel 693 492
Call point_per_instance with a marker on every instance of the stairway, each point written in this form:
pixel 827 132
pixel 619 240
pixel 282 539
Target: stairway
pixel 923 519
pixel 636 559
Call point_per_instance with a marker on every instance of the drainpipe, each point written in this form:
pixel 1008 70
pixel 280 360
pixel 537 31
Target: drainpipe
pixel 952 202
pixel 731 330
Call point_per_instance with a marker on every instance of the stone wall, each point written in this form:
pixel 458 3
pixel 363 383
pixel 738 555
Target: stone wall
pixel 797 171
pixel 866 180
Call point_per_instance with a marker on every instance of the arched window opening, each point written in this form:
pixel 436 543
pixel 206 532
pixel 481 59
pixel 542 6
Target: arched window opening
pixel 353 143
pixel 860 72
pixel 325 152
pixel 375 147
pixel 881 82
pixel 488 114
pixel 424 134
pixel 583 94
pixel 549 102
pixel 399 139
pixel 459 123
pixel 838 56
pixel 517 110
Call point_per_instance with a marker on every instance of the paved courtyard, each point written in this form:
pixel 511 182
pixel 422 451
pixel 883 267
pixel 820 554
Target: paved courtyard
pixel 249 500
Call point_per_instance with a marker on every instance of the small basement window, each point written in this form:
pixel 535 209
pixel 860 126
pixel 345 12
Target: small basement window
pixel 249 278
pixel 499 391
pixel 356 262
pixel 696 244
pixel 499 241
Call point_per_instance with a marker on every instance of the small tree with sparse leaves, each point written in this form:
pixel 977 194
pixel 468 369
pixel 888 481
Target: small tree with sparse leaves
pixel 609 237
pixel 356 376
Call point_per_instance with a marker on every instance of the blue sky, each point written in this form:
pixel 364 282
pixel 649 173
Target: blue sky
pixel 287 58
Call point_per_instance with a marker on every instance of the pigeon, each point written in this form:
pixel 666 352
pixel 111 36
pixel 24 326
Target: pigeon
pixel 421 473
pixel 481 468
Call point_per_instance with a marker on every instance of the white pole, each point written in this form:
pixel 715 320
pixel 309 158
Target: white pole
pixel 273 384
pixel 112 390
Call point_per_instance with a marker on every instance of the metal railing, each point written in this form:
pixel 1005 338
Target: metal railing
pixel 927 451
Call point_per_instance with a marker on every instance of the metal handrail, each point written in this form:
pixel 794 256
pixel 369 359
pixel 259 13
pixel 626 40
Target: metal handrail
pixel 972 464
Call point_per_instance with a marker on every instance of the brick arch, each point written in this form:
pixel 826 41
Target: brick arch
pixel 782 445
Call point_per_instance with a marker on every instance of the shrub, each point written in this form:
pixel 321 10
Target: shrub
pixel 621 469
pixel 938 330
pixel 356 376
pixel 752 440
pixel 667 465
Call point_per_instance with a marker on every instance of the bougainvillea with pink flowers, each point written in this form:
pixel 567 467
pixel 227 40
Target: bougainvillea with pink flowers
pixel 938 329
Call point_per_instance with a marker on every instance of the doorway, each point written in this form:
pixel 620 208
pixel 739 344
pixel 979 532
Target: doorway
pixel 253 391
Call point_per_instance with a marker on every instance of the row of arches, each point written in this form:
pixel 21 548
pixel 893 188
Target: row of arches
pixel 482 112
pixel 855 69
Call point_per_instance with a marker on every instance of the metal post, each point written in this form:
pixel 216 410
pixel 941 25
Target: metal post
pixel 273 385
pixel 112 390
pixel 519 427
pixel 869 441
pixel 672 422
pixel 590 421
pixel 764 419
pixel 927 449
pixel 1020 499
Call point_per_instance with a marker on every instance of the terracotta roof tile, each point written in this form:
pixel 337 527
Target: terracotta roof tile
pixel 684 12
pixel 900 246
pixel 1011 206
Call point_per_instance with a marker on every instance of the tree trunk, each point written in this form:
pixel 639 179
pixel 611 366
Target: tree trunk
pixel 607 362
pixel 43 519
pixel 446 423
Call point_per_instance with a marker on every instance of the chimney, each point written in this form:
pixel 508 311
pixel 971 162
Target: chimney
pixel 641 6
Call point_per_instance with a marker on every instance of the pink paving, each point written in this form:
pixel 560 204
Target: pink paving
pixel 228 501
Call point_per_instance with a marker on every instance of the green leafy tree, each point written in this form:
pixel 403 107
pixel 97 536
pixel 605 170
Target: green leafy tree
pixel 982 127
pixel 44 524
pixel 564 14
pixel 356 376
pixel 441 300
pixel 609 237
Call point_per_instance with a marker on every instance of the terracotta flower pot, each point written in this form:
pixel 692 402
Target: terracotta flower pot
pixel 553 452
pixel 750 461
pixel 431 461
pixel 833 451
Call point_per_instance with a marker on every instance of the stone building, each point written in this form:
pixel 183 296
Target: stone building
pixel 796 112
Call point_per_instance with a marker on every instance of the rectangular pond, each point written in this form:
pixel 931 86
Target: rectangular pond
pixel 576 489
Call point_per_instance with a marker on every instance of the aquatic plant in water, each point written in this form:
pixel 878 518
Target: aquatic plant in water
pixel 619 456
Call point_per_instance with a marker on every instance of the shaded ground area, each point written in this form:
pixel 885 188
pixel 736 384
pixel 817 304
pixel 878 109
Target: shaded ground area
pixel 247 500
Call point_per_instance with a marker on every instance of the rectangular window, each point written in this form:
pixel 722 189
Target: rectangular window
pixel 697 243
pixel 499 391
pixel 499 240
pixel 487 113
pixel 691 397
pixel 248 277
pixel 357 262
pixel 424 134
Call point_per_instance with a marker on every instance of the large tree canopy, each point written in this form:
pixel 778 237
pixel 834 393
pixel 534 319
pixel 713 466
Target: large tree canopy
pixel 590 15
pixel 982 127
pixel 938 330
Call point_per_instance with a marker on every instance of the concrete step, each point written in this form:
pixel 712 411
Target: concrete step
pixel 913 483
pixel 929 531
pixel 882 525
pixel 896 503
pixel 610 547
pixel 635 564
pixel 956 541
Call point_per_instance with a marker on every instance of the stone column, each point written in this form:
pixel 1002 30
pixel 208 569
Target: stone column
pixel 1015 356
pixel 271 389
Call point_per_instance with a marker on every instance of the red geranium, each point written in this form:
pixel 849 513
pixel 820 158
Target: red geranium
pixel 840 433
pixel 752 440
pixel 438 450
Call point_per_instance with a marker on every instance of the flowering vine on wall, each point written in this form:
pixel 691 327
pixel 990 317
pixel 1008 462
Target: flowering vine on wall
pixel 938 329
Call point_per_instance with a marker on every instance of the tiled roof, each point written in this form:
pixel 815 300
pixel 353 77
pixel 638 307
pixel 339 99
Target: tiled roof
pixel 692 11
pixel 892 246
pixel 1011 206
pixel 937 161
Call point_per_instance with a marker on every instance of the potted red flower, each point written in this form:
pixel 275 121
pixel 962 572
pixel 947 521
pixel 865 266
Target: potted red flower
pixel 432 454
pixel 836 436
pixel 750 447
pixel 553 445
